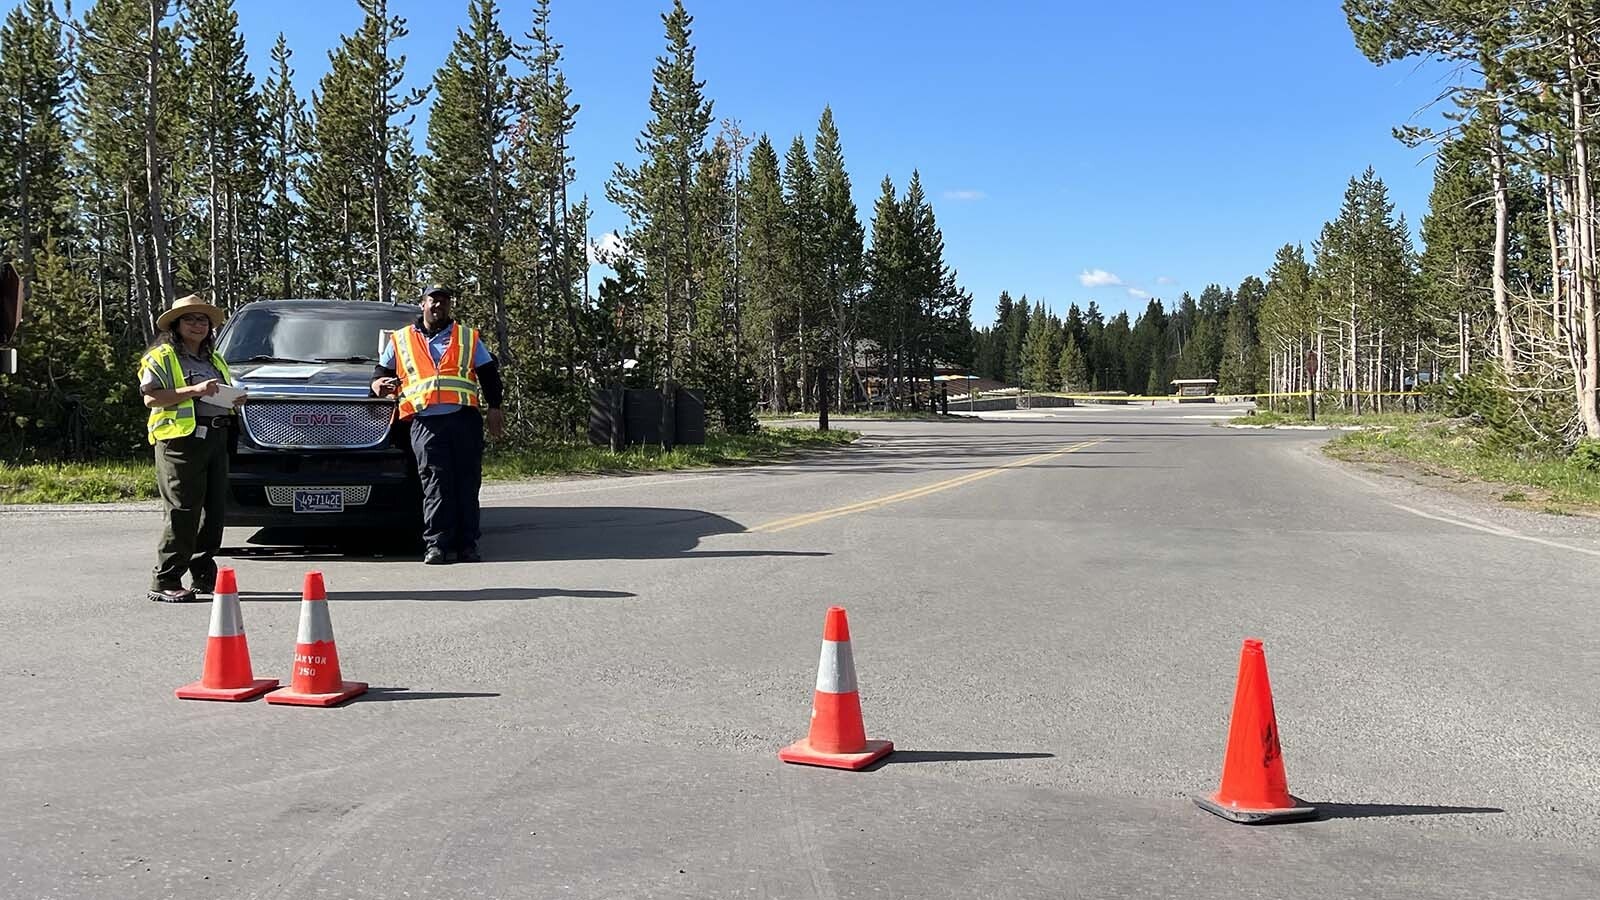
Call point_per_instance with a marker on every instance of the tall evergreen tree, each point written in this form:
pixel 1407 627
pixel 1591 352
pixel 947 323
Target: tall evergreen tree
pixel 657 195
pixel 552 255
pixel 229 133
pixel 1074 370
pixel 766 269
pixel 842 245
pixel 355 110
pixel 463 176
pixel 34 146
pixel 287 132
pixel 131 116
pixel 814 332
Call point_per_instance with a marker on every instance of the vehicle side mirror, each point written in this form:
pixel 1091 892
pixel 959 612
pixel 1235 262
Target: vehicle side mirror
pixel 11 288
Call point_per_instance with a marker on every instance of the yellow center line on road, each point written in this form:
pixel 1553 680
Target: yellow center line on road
pixel 912 494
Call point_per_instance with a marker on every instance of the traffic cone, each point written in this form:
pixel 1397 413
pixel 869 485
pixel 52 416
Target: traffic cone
pixel 316 680
pixel 225 673
pixel 1254 789
pixel 838 738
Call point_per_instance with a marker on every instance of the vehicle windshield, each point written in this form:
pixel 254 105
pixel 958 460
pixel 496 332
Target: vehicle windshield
pixel 348 332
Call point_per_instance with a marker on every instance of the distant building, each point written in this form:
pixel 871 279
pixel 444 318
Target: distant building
pixel 1199 390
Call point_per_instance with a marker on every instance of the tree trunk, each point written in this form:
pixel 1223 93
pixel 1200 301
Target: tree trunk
pixel 152 155
pixel 378 129
pixel 139 280
pixel 349 262
pixel 1584 242
pixel 1502 308
pixel 24 202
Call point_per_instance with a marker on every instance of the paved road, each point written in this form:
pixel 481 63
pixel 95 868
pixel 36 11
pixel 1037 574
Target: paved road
pixel 1046 609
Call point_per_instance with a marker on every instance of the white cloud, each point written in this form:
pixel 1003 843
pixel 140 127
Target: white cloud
pixel 606 248
pixel 965 195
pixel 1142 295
pixel 1097 278
pixel 1166 279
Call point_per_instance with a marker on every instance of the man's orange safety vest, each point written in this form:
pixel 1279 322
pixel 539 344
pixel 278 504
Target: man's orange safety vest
pixel 423 383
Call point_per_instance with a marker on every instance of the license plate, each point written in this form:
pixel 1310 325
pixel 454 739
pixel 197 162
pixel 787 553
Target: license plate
pixel 318 500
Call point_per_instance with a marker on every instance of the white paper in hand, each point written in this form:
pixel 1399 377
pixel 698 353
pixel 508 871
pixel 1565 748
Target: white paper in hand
pixel 226 394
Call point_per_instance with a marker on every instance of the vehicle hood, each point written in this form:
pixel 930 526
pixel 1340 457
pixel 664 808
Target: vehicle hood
pixel 305 379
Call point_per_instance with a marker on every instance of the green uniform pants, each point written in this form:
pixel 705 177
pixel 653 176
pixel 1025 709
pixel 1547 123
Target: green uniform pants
pixel 192 477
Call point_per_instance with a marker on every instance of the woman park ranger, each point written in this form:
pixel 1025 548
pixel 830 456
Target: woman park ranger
pixel 181 377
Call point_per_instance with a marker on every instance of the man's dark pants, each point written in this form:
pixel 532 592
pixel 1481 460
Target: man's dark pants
pixel 192 478
pixel 449 450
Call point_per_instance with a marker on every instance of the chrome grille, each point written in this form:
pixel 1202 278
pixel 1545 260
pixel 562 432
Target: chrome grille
pixel 353 496
pixel 317 425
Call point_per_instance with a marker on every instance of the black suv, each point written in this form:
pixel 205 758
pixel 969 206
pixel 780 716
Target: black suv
pixel 314 448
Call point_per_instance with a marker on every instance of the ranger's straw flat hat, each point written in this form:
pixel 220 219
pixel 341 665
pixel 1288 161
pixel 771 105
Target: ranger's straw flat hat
pixel 189 304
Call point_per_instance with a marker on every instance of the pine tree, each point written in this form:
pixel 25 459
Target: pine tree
pixel 355 110
pixel 842 246
pixel 287 133
pixel 132 118
pixel 765 270
pixel 463 177
pixel 1040 356
pixel 657 194
pixel 1074 371
pixel 1237 372
pixel 553 255
pixel 229 130
pixel 803 236
pixel 71 396
pixel 1456 230
pixel 1290 318
pixel 33 138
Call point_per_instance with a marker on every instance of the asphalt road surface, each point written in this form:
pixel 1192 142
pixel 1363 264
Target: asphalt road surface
pixel 1046 610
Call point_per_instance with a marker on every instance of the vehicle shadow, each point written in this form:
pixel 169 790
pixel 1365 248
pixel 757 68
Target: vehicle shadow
pixel 528 534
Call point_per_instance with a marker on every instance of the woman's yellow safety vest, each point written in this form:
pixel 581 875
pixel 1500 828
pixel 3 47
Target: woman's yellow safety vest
pixel 423 383
pixel 168 422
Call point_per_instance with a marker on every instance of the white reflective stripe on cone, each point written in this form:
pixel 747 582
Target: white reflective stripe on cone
pixel 226 619
pixel 315 624
pixel 836 670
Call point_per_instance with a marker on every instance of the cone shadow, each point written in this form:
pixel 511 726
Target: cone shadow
pixel 1383 810
pixel 449 596
pixel 901 757
pixel 391 694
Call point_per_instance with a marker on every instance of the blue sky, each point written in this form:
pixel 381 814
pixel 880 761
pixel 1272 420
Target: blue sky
pixel 1073 150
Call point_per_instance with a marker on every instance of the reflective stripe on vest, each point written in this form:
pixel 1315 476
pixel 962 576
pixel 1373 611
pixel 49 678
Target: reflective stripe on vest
pixel 453 380
pixel 168 422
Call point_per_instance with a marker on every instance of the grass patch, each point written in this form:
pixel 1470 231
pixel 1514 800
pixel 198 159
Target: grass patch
pixel 106 482
pixel 891 415
pixel 111 482
pixel 719 450
pixel 1458 451
pixel 1270 418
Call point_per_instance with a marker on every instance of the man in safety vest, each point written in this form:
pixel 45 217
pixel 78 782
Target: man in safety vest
pixel 444 378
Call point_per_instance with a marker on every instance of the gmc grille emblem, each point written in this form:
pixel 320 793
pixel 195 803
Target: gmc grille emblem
pixel 308 420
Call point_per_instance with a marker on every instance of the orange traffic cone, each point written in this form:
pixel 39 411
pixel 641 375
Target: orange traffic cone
pixel 316 680
pixel 838 738
pixel 1254 789
pixel 225 674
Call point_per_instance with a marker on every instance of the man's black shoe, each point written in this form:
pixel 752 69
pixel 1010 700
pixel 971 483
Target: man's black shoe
pixel 469 555
pixel 434 557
